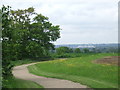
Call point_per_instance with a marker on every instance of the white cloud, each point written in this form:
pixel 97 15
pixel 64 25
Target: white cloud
pixel 82 21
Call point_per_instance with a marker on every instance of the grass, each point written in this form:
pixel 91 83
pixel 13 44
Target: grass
pixel 20 62
pixel 81 70
pixel 18 83
pixel 12 82
pixel 69 55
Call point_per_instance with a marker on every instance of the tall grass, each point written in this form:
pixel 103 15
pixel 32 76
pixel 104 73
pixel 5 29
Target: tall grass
pixel 80 69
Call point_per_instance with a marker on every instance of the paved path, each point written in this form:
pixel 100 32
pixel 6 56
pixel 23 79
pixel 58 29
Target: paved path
pixel 22 72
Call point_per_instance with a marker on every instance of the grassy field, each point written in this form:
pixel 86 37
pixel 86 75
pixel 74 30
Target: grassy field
pixel 80 69
pixel 18 83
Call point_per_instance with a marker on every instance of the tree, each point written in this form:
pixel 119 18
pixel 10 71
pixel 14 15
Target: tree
pixel 62 50
pixel 77 50
pixel 6 44
pixel 31 37
pixel 70 50
pixel 25 34
pixel 86 50
pixel 112 50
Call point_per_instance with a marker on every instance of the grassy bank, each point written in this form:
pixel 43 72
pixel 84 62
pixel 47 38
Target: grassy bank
pixel 80 69
pixel 12 82
pixel 20 62
pixel 18 83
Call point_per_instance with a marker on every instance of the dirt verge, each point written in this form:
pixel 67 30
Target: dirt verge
pixel 111 60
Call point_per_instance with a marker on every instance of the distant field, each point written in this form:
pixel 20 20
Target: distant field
pixel 81 69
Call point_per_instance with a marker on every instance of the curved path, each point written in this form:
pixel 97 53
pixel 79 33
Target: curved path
pixel 22 72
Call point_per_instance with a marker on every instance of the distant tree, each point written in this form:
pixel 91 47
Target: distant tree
pixel 70 50
pixel 62 50
pixel 113 50
pixel 94 50
pixel 77 50
pixel 118 49
pixel 86 50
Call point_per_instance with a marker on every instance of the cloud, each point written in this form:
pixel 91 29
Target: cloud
pixel 82 21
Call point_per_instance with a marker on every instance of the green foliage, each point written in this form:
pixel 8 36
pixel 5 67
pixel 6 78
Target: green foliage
pixel 86 50
pixel 81 70
pixel 25 34
pixel 63 50
pixel 66 52
pixel 20 62
pixel 69 55
pixel 24 37
pixel 33 36
pixel 6 44
pixel 77 50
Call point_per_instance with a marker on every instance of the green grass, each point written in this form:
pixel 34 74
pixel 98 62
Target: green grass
pixel 20 62
pixel 69 55
pixel 81 70
pixel 12 82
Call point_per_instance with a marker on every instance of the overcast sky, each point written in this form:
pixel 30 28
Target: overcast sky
pixel 81 21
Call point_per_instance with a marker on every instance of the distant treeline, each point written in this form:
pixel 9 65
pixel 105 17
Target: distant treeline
pixel 98 48
pixel 66 52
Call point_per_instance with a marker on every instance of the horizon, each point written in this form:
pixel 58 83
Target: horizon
pixel 86 43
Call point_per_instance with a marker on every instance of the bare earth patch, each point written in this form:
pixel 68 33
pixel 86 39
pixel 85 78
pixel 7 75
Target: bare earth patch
pixel 112 60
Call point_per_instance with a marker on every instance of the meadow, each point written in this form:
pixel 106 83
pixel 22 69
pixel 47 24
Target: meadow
pixel 80 69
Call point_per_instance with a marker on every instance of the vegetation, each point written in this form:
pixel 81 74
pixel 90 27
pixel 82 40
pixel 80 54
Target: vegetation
pixel 20 62
pixel 62 50
pixel 69 55
pixel 86 50
pixel 12 82
pixel 77 50
pixel 18 83
pixel 80 69
pixel 25 34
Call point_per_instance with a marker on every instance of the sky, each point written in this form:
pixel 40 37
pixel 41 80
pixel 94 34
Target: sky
pixel 81 21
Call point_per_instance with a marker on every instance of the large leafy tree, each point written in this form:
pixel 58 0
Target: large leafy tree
pixel 26 34
pixel 31 34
